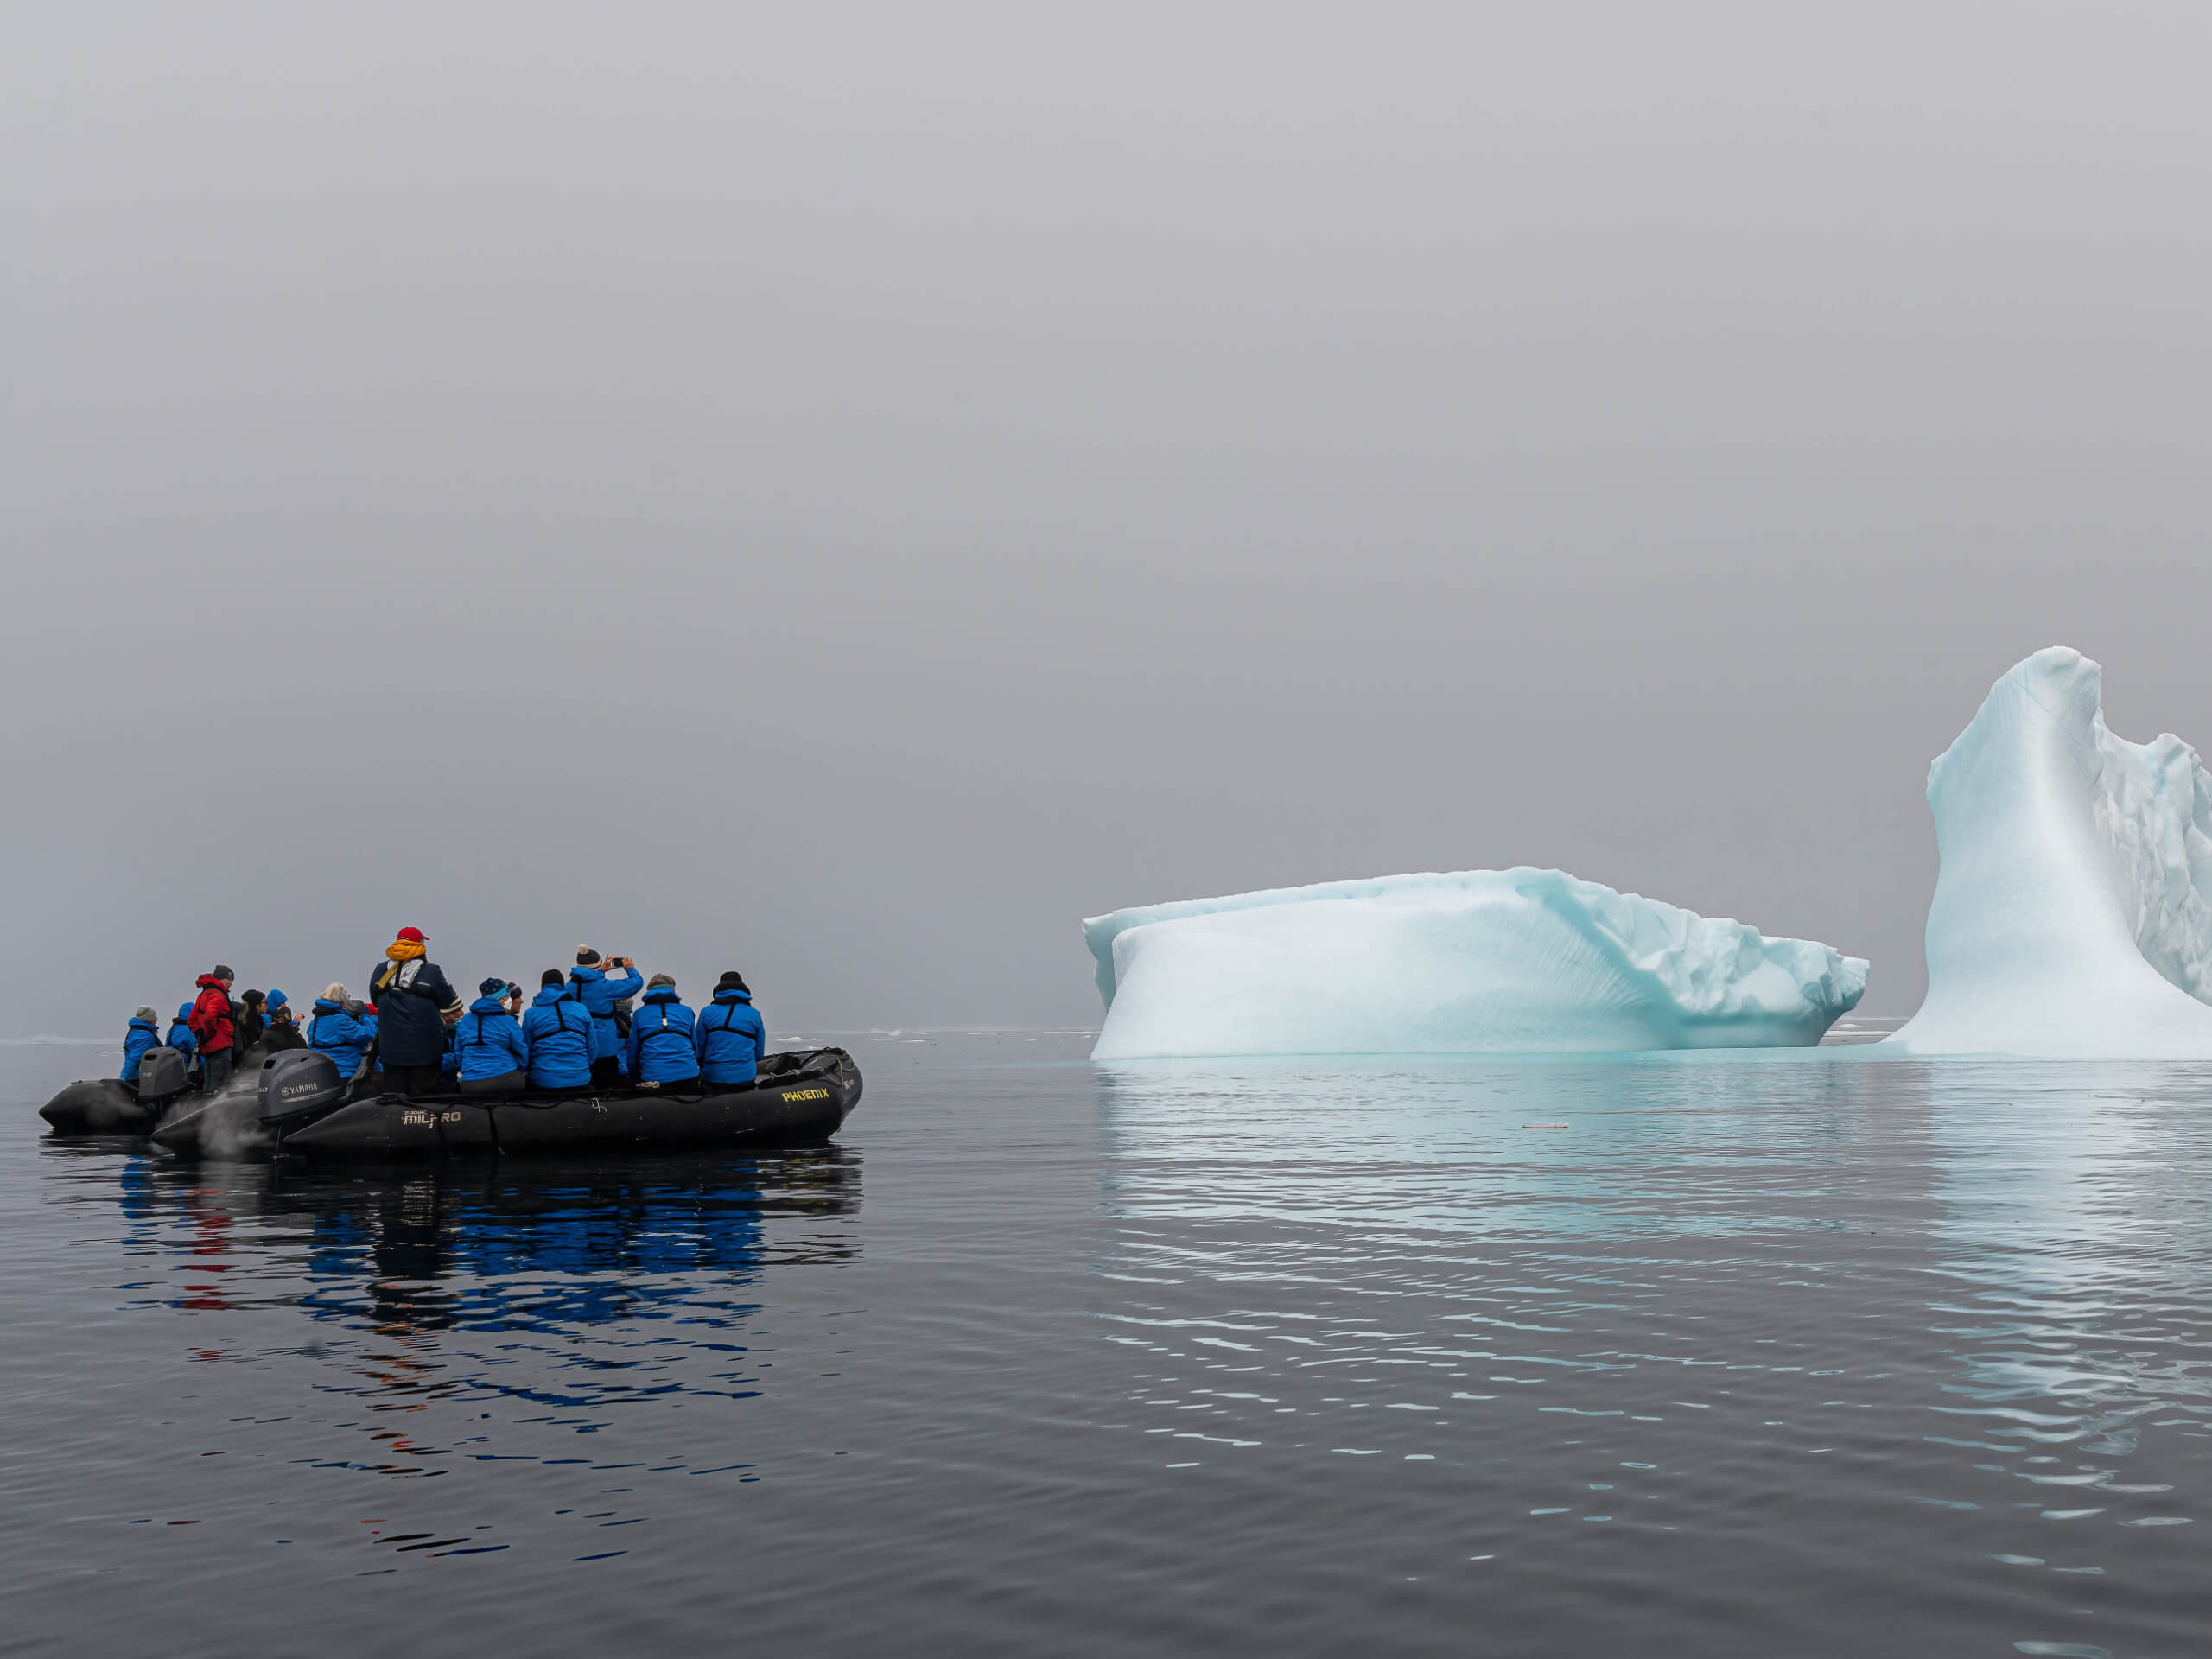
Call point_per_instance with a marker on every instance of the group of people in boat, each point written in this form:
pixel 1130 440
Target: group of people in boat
pixel 601 1026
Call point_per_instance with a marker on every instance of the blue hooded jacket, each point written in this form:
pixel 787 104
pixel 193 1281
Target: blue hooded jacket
pixel 334 1031
pixel 661 1044
pixel 557 1030
pixel 490 1041
pixel 731 1039
pixel 599 994
pixel 137 1041
pixel 181 1037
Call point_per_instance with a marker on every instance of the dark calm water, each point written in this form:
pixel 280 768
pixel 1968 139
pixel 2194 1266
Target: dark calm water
pixel 1798 1354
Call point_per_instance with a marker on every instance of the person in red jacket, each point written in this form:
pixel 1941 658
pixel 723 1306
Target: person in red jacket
pixel 211 1023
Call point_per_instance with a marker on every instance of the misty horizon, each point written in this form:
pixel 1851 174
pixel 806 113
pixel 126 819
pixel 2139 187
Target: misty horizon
pixel 847 495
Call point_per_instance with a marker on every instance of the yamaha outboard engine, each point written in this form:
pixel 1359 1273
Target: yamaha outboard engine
pixel 298 1084
pixel 161 1077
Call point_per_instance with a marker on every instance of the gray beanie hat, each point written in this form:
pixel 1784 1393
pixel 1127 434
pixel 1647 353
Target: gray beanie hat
pixel 149 1016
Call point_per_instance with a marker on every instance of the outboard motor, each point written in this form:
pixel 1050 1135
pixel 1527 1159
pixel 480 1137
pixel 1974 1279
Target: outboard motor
pixel 161 1077
pixel 298 1084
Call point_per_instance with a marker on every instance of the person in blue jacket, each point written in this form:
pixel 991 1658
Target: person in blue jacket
pixel 144 1032
pixel 337 1029
pixel 182 1039
pixel 599 991
pixel 731 1038
pixel 558 1030
pixel 662 1049
pixel 489 1040
pixel 283 1032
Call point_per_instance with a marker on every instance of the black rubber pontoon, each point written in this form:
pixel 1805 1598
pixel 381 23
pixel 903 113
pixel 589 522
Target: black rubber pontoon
pixel 298 1111
pixel 98 1106
pixel 111 1106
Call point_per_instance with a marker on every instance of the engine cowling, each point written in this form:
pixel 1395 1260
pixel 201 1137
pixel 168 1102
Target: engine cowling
pixel 298 1084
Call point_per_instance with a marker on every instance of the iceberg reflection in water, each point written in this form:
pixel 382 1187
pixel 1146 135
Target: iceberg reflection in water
pixel 2073 1229
pixel 1836 1332
pixel 1456 1145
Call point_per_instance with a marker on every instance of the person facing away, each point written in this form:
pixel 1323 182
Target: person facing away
pixel 373 1074
pixel 251 1021
pixel 336 1028
pixel 489 1043
pixel 662 1049
pixel 180 1038
pixel 450 1052
pixel 731 1038
pixel 411 997
pixel 557 1031
pixel 599 991
pixel 213 1025
pixel 144 1032
pixel 283 1028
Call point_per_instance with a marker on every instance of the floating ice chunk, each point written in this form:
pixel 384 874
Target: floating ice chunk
pixel 2073 914
pixel 1480 961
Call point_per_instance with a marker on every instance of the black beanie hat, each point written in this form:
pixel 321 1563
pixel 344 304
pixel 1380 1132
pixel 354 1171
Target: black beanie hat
pixel 222 972
pixel 586 956
pixel 551 976
pixel 732 980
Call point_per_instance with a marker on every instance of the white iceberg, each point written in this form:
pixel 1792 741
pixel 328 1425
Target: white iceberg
pixel 2071 912
pixel 1477 962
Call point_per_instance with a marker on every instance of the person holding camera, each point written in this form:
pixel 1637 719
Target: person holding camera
pixel 282 1032
pixel 598 990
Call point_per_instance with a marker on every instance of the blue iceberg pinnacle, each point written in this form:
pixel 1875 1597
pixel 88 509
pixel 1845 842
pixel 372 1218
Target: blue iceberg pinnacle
pixel 2072 911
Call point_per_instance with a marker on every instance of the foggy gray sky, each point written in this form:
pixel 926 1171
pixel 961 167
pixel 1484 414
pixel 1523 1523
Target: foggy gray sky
pixel 847 490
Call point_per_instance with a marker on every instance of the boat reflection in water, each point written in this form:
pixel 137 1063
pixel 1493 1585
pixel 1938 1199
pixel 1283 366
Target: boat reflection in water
pixel 575 1283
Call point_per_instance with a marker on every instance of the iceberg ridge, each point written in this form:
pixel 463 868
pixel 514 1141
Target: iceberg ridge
pixel 2072 908
pixel 1476 960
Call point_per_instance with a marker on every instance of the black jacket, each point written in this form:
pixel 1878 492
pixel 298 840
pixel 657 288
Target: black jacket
pixel 280 1037
pixel 408 1030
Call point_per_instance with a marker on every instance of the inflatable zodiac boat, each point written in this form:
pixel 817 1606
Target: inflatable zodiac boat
pixel 294 1104
pixel 111 1106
